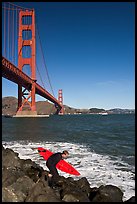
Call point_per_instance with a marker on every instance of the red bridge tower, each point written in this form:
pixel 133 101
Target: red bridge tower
pixel 60 99
pixel 23 101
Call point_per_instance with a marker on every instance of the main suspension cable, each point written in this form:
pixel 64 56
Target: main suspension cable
pixel 44 60
pixel 20 6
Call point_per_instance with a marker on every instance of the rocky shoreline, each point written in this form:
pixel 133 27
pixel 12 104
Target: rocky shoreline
pixel 26 181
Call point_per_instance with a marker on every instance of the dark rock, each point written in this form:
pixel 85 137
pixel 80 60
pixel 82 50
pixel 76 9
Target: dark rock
pixel 23 184
pixel 84 185
pixel 18 191
pixel 70 192
pixel 9 195
pixel 10 159
pixel 93 192
pixel 132 199
pixel 41 192
pixel 10 175
pixel 31 169
pixel 74 195
pixel 108 193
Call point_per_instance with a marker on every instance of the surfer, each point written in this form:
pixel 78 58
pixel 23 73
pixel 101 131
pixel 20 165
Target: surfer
pixel 51 164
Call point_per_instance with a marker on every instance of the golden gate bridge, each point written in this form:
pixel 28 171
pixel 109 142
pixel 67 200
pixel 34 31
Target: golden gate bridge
pixel 19 53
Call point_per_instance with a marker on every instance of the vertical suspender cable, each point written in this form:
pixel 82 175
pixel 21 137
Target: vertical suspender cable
pixel 18 32
pixel 16 38
pixel 4 32
pixel 26 21
pixel 8 35
pixel 11 33
pixel 17 20
pixel 13 58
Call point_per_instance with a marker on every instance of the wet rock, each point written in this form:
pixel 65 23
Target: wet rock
pixel 10 159
pixel 70 192
pixel 74 191
pixel 132 199
pixel 10 175
pixel 108 193
pixel 62 181
pixel 84 185
pixel 74 195
pixel 93 192
pixel 23 184
pixel 9 195
pixel 18 191
pixel 31 169
pixel 41 192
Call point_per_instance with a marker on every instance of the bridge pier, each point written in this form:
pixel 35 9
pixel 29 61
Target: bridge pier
pixel 26 112
pixel 29 114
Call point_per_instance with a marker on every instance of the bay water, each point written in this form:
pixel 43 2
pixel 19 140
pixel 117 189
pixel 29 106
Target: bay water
pixel 101 147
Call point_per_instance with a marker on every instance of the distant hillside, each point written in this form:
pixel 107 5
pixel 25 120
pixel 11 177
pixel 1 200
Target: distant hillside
pixel 96 110
pixel 121 111
pixel 9 107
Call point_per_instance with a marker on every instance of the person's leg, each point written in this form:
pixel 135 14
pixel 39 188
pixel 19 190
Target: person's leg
pixel 52 176
pixel 50 180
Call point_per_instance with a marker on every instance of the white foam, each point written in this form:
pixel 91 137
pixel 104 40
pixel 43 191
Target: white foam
pixel 98 169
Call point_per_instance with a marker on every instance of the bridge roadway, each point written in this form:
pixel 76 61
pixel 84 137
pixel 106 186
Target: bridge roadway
pixel 14 74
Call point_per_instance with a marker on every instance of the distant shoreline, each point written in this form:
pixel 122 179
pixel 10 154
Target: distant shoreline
pixel 9 107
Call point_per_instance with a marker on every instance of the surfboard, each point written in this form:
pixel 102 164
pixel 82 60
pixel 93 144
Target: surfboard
pixel 61 165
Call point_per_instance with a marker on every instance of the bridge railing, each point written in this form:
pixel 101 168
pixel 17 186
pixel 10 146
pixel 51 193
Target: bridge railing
pixel 7 66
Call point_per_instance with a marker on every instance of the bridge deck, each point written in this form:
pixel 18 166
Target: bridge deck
pixel 12 73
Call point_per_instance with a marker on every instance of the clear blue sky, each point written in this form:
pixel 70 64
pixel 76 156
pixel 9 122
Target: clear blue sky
pixel 89 49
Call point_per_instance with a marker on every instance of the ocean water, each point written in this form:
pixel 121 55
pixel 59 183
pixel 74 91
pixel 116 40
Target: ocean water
pixel 101 147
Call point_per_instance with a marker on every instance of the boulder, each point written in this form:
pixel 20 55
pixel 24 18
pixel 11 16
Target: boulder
pixel 9 195
pixel 23 184
pixel 84 185
pixel 10 175
pixel 10 159
pixel 71 192
pixel 132 199
pixel 41 192
pixel 93 192
pixel 108 193
pixel 31 169
pixel 73 195
pixel 18 191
